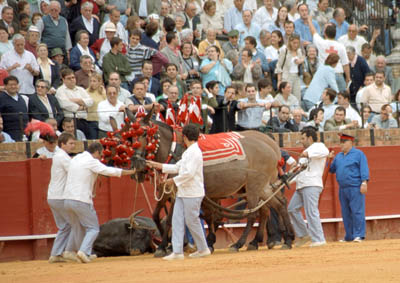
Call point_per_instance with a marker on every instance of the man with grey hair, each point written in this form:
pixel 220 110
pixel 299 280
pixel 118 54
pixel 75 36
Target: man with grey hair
pixel 380 65
pixel 86 22
pixel 358 70
pixel 85 72
pixel 22 64
pixel 339 19
pixel 54 30
pixel 353 39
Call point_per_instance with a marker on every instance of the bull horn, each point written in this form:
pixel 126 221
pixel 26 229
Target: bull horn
pixel 146 119
pixel 114 124
pixel 132 220
pixel 130 115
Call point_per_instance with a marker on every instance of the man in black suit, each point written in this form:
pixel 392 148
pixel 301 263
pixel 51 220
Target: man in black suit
pixel 282 123
pixel 154 83
pixel 358 70
pixel 192 20
pixel 41 100
pixel 7 21
pixel 224 118
pixel 85 22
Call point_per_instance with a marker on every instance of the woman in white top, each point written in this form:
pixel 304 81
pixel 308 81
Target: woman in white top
pixel 5 44
pixel 289 64
pixel 49 70
pixel 272 51
pixel 284 96
pixel 210 19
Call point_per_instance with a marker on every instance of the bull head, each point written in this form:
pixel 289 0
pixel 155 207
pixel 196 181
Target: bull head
pixel 136 225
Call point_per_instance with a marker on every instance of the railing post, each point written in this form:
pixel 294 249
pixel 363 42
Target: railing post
pixel 76 126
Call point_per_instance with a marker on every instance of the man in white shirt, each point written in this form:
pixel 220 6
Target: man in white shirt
pixel 189 196
pixel 343 99
pixel 353 39
pixel 74 100
pixel 79 192
pixel 266 15
pixel 377 94
pixel 308 190
pixel 59 171
pixel 22 64
pixel 115 80
pixel 368 80
pixel 115 16
pixel 111 107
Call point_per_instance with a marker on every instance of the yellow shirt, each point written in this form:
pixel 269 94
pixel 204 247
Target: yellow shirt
pixel 203 47
pixel 97 97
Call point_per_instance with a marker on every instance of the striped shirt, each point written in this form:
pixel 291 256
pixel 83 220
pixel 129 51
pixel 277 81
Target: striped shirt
pixel 136 55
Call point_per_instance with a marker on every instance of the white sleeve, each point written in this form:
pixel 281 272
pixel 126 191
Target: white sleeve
pixel 171 168
pixel 188 168
pixel 97 167
pixel 344 60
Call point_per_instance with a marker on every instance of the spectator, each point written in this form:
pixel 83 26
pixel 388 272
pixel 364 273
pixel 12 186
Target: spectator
pixel 114 79
pixel 293 14
pixel 328 46
pixel 153 83
pixel 32 41
pixel 36 17
pixel 85 72
pixel 81 48
pixel 68 126
pixel 328 97
pixel 54 29
pixel 311 64
pixel 215 68
pixel 353 39
pixel 282 122
pixel 139 99
pixel 210 19
pixel 358 70
pixel 285 96
pixel 146 82
pixel 247 70
pixel 264 94
pixel 234 15
pixel 192 19
pixel 323 78
pixel 339 122
pixel 277 44
pixel 191 65
pixel 179 23
pixel 150 37
pixel 368 80
pixel 266 15
pixel 172 75
pixel 57 56
pixel 144 9
pixel 97 92
pixel 367 115
pixel 384 120
pixel 210 40
pixel 103 45
pixel 7 21
pixel 343 99
pixel 302 25
pixel 165 84
pixel 265 38
pixel 44 7
pixel 86 22
pixel 48 70
pixel 172 94
pixel 111 107
pixel 4 137
pixel 14 109
pixel 281 19
pixel 339 19
pixel 368 55
pixel 289 30
pixel 248 27
pixel 42 105
pixel 224 116
pixel 115 61
pixel 171 52
pixel 396 103
pixel 21 64
pixel 74 100
pixel 5 44
pixel 115 16
pixel 377 94
pixel 380 65
pixel 250 110
pixel 232 43
pixel 23 7
pixel 297 120
pixel 289 65
pixel 258 54
pixel 316 119
pixel 323 14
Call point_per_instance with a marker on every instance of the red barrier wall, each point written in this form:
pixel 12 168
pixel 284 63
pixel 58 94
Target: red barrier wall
pixel 24 210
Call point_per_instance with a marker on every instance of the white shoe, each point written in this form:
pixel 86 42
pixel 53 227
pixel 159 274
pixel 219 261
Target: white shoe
pixel 357 240
pixel 92 256
pixel 200 254
pixel 83 257
pixel 174 256
pixel 71 256
pixel 302 241
pixel 56 258
pixel 317 244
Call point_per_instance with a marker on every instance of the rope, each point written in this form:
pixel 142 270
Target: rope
pixel 164 190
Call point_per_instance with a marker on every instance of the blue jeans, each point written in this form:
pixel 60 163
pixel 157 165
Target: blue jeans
pixel 62 223
pixel 308 198
pixel 352 204
pixel 187 211
pixel 82 213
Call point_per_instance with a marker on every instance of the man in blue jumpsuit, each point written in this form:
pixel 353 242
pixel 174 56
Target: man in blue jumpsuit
pixel 352 174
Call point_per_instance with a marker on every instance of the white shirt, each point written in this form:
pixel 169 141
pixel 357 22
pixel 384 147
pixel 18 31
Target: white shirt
pixel 24 76
pixel 104 49
pixel 64 95
pixel 88 24
pixel 357 43
pixel 105 110
pixel 82 175
pixel 312 175
pixel 190 173
pixel 121 32
pixel 123 95
pixel 263 17
pixel 353 115
pixel 143 9
pixel 271 53
pixel 59 171
pixel 327 46
pixel 44 151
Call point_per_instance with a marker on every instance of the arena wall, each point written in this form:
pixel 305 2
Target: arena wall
pixel 27 228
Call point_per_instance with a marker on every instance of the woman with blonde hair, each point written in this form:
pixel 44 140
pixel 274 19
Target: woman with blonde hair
pixel 97 92
pixel 49 70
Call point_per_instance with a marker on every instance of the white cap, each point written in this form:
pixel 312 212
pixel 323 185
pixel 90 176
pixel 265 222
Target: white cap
pixel 110 27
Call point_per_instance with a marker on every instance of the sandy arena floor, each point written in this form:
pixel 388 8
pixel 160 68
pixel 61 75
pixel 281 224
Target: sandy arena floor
pixel 370 261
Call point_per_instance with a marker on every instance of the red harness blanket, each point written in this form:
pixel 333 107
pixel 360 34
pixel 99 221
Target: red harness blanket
pixel 220 148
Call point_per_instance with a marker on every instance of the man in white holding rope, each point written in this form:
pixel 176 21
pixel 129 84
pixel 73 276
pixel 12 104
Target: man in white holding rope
pixel 189 196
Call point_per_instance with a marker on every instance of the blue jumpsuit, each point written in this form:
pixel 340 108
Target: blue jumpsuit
pixel 351 170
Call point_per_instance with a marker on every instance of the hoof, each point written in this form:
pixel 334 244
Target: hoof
pixel 251 247
pixel 135 252
pixel 271 245
pixel 211 249
pixel 286 247
pixel 233 249
pixel 160 253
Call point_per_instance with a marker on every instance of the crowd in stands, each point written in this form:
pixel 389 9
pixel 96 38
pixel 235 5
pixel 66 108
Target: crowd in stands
pixel 274 66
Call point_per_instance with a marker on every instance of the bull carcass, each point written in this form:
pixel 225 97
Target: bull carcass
pixel 126 236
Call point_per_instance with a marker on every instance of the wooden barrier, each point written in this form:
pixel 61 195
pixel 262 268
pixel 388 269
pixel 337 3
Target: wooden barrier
pixel 24 210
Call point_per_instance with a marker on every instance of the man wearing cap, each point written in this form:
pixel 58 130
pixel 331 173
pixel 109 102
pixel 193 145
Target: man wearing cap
pixel 308 190
pixel 115 16
pixel 352 174
pixel 57 56
pixel 232 44
pixel 32 40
